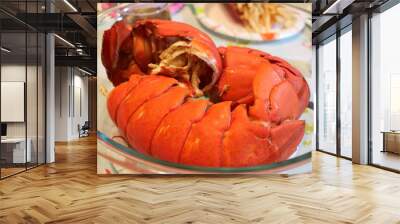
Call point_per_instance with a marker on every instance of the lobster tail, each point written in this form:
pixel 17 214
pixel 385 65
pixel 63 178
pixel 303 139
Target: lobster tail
pixel 275 89
pixel 170 114
pixel 169 124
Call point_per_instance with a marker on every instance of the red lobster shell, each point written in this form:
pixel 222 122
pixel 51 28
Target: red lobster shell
pixel 252 121
pixel 161 47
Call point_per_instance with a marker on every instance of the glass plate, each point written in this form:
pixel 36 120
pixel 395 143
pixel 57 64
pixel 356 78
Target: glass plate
pixel 116 157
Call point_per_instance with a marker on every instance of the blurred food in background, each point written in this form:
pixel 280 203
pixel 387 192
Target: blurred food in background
pixel 261 17
pixel 251 21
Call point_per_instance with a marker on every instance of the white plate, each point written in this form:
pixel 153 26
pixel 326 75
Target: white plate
pixel 215 17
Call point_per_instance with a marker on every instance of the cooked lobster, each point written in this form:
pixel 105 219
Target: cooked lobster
pixel 161 47
pixel 180 98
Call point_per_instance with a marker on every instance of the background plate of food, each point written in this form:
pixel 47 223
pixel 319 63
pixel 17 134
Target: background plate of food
pixel 251 22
